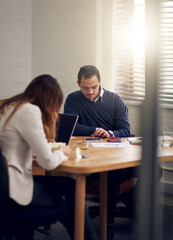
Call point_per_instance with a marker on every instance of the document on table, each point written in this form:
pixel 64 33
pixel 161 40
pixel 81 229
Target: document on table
pixel 111 144
pixel 135 140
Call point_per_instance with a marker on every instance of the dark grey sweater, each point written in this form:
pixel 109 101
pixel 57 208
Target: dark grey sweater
pixel 109 113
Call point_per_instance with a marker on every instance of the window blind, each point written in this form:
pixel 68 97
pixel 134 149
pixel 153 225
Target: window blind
pixel 129 50
pixel 166 52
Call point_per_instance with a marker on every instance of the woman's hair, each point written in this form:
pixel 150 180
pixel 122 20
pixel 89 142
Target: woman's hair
pixel 45 92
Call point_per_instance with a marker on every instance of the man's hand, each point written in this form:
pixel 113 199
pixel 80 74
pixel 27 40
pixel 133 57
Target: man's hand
pixel 100 132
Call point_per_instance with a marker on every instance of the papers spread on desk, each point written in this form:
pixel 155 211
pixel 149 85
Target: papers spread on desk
pixel 111 144
pixel 135 140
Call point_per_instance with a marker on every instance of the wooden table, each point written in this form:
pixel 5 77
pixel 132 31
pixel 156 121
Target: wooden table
pixel 100 161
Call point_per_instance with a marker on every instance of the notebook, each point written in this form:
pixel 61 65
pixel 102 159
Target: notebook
pixel 65 127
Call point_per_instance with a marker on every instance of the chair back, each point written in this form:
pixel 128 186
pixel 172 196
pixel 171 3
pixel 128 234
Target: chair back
pixel 14 220
pixel 4 187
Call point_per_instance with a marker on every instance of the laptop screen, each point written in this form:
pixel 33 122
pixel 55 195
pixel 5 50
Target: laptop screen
pixel 65 127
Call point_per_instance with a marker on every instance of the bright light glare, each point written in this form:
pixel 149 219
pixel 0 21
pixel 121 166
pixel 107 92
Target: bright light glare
pixel 129 48
pixel 138 28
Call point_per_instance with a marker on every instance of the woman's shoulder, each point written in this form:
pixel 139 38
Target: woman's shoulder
pixel 28 109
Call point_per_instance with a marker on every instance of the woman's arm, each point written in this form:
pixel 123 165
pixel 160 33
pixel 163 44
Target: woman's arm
pixel 32 131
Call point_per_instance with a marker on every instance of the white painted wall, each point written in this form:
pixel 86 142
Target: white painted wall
pixel 135 117
pixel 64 39
pixel 69 34
pixel 15 46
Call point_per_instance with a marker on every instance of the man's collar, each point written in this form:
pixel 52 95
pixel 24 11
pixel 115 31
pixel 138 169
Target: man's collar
pixel 100 95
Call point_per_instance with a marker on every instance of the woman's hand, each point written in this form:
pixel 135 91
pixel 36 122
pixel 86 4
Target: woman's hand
pixel 66 150
pixel 50 140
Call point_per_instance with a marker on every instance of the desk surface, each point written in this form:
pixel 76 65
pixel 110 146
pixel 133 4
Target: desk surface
pixel 101 160
pixel 106 159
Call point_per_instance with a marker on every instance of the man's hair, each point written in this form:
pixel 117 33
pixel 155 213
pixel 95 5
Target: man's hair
pixel 88 71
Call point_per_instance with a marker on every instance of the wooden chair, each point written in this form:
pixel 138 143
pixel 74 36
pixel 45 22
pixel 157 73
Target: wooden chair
pixel 92 188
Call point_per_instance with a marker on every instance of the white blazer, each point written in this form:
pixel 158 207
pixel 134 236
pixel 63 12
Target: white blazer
pixel 23 136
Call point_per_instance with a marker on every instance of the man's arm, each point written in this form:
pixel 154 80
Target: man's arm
pixel 123 131
pixel 71 106
pixel 121 122
pixel 120 126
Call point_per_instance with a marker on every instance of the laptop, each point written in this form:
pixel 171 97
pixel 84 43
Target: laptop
pixel 65 127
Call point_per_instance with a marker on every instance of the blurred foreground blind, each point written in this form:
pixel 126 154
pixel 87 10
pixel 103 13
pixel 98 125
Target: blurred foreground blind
pixel 129 50
pixel 166 52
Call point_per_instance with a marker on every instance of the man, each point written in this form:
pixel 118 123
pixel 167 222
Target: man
pixel 101 113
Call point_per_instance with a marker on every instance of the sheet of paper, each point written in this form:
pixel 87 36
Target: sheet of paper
pixel 110 144
pixel 135 140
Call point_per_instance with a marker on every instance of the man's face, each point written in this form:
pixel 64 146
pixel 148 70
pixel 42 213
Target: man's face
pixel 90 87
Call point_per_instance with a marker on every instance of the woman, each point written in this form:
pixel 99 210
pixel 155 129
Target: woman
pixel 27 124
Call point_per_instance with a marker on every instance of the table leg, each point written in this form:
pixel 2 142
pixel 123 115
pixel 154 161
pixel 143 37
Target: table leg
pixel 103 206
pixel 80 207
